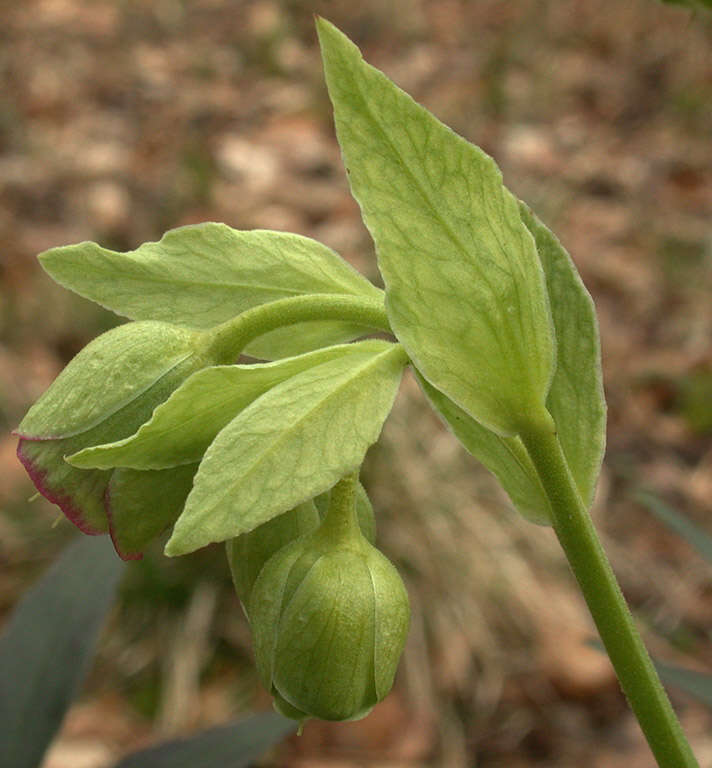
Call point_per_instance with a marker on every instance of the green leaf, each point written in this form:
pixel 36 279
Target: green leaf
pixel 235 745
pixel 505 457
pixel 202 275
pixel 575 398
pixel 106 376
pixel 141 505
pixel 105 393
pixel 298 338
pixel 465 291
pixel 364 511
pixel 47 646
pixel 182 428
pixel 291 444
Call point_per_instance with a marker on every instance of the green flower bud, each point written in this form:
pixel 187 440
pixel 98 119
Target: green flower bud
pixel 247 554
pixel 105 393
pixel 330 616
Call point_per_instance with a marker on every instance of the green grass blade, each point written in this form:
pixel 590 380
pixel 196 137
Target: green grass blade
pixel 48 644
pixel 236 745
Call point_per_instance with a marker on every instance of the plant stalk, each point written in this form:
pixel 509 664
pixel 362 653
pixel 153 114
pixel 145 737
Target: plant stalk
pixel 574 528
pixel 341 520
pixel 227 340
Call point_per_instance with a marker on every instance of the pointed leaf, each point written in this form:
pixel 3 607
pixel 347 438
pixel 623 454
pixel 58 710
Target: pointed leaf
pixel 235 745
pixel 201 275
pixel 182 428
pixel 465 291
pixel 505 457
pixel 47 646
pixel 576 399
pixel 141 505
pixel 290 445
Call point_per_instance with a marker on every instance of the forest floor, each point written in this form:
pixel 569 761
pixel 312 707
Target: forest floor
pixel 119 120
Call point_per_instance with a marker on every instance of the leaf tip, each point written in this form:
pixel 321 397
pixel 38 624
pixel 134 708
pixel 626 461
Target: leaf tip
pixel 186 538
pixel 52 258
pixel 333 42
pixel 81 459
pixel 322 24
pixel 45 259
pixel 174 548
pixel 123 553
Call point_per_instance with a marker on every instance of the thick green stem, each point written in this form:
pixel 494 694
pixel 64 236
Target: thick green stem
pixel 341 521
pixel 226 341
pixel 593 572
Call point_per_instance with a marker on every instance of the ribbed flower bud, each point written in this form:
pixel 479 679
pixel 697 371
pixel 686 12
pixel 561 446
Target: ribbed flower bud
pixel 330 616
pixel 247 553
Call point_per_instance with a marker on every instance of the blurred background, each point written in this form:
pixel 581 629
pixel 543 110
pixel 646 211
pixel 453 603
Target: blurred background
pixel 120 119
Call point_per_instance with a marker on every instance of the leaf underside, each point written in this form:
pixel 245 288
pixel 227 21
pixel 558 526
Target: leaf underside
pixel 465 291
pixel 483 297
pixel 291 444
pixel 201 275
pixel 141 505
pixel 181 429
pixel 575 399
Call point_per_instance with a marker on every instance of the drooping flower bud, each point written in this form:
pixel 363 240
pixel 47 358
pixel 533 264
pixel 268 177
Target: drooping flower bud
pixel 247 553
pixel 105 393
pixel 330 616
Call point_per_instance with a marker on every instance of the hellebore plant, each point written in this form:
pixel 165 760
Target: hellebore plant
pixel 154 424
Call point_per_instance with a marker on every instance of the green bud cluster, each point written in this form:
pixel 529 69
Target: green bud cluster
pixel 329 613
